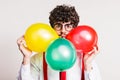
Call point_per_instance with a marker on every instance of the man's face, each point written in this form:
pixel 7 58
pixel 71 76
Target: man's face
pixel 63 29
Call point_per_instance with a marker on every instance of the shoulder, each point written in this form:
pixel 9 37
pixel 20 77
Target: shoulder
pixel 36 59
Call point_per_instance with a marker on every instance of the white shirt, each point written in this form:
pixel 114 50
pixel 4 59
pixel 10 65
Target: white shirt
pixel 34 71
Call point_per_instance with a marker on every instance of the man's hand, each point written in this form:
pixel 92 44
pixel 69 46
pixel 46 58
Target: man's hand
pixel 24 50
pixel 89 57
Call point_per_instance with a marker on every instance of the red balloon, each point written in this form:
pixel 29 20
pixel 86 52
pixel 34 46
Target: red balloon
pixel 83 37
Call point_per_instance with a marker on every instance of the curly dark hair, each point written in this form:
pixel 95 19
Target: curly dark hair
pixel 64 13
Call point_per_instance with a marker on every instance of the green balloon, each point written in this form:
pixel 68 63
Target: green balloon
pixel 60 54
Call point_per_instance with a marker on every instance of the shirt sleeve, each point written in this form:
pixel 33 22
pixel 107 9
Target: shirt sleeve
pixel 24 73
pixel 94 74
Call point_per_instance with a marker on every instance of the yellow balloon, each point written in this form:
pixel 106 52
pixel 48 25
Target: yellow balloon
pixel 38 36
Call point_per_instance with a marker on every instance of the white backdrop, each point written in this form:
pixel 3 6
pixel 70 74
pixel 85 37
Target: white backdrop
pixel 17 15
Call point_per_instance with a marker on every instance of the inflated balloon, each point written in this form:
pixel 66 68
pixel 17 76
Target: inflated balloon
pixel 83 37
pixel 38 36
pixel 61 54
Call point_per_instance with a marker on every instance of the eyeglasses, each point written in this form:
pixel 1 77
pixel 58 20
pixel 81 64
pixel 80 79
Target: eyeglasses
pixel 59 26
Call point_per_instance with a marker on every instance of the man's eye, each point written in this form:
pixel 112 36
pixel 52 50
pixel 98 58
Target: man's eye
pixel 58 26
pixel 69 26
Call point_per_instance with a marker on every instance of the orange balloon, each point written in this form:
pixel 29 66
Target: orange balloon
pixel 38 36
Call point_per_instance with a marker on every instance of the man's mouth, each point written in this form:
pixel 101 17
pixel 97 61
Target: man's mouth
pixel 63 36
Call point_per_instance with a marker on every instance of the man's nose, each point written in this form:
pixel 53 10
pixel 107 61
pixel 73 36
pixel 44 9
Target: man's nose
pixel 63 29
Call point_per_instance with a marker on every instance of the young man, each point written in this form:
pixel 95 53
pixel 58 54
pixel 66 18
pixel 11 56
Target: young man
pixel 63 19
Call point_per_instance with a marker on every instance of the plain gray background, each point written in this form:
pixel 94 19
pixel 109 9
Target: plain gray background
pixel 102 15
